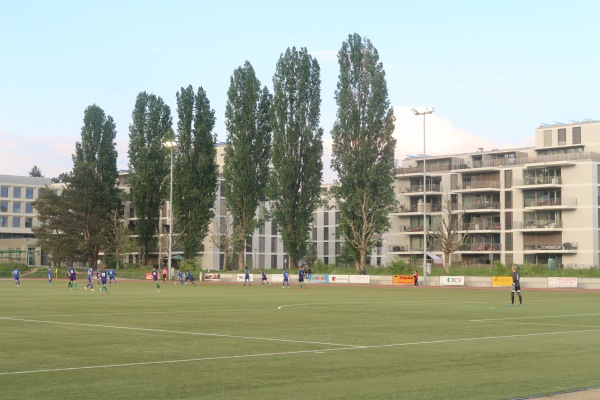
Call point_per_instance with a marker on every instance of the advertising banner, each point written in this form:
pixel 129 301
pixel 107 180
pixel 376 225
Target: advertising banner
pixel 149 275
pixel 501 281
pixel 318 278
pixel 403 280
pixel 452 281
pixel 241 278
pixel 212 277
pixel 339 279
pixel 360 278
pixel 562 282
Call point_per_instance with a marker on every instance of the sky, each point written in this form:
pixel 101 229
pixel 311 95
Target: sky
pixel 493 71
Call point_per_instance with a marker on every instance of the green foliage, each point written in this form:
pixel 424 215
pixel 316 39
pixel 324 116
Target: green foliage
pixel 297 149
pixel 195 169
pixel 36 172
pixel 247 152
pixel 363 147
pixel 400 267
pixel 148 164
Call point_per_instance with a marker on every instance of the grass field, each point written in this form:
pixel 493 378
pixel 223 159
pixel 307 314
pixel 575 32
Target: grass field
pixel 218 341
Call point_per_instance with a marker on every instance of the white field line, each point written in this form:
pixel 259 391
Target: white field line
pixel 536 317
pixel 296 352
pixel 173 332
pixel 538 324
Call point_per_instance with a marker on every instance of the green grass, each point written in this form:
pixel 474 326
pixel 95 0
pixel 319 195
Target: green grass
pixel 219 341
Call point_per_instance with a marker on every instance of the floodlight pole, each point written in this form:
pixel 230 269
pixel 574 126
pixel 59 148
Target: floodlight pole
pixel 428 110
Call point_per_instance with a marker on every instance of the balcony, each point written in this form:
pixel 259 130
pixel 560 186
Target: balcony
pixel 411 249
pixel 418 208
pixel 418 189
pixel 481 226
pixel 538 181
pixel 483 205
pixel 478 185
pixel 569 247
pixel 480 247
pixel 562 202
pixel 537 225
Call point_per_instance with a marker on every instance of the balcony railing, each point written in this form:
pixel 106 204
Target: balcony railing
pixel 481 226
pixel 485 247
pixel 418 228
pixel 479 185
pixel 411 249
pixel 537 224
pixel 419 188
pixel 477 205
pixel 563 201
pixel 566 246
pixel 418 208
pixel 538 180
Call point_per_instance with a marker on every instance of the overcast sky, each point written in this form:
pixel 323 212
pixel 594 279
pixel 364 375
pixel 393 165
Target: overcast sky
pixel 493 71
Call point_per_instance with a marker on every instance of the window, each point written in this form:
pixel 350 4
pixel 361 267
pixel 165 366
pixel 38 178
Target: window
pixel 576 135
pixel 562 136
pixel 29 193
pixel 3 222
pixel 326 248
pixel 326 234
pixel 28 208
pixel 4 191
pixel 16 206
pixel 16 222
pixel 273 261
pixel 28 222
pixel 314 233
pixel 274 227
pixel 274 245
pixel 326 218
pixel 3 206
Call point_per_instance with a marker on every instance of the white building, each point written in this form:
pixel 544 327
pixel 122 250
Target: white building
pixel 533 205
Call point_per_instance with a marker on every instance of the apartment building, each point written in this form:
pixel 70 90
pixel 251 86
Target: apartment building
pixel 537 205
pixel 17 217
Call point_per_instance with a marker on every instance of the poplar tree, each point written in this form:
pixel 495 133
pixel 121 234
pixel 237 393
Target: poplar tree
pixel 195 169
pixel 148 165
pixel 295 179
pixel 363 148
pixel 247 152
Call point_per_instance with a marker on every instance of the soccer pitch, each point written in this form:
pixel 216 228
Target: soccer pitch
pixel 226 341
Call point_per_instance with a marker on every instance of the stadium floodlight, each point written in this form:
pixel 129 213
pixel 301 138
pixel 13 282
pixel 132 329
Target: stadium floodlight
pixel 427 110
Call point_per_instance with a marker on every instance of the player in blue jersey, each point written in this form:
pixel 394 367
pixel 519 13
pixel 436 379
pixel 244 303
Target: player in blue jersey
pixel 180 277
pixel 263 278
pixel 189 277
pixel 286 279
pixel 301 274
pixel 49 275
pixel 90 278
pixel 247 277
pixel 111 276
pixel 516 287
pixel 17 275
pixel 155 277
pixel 103 276
pixel 73 278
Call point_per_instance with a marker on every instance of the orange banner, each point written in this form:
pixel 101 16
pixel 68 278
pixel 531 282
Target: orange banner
pixel 501 281
pixel 149 275
pixel 402 280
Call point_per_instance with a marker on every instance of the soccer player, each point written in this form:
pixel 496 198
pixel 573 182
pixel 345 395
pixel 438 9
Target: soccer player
pixel 190 277
pixel 73 278
pixel 90 278
pixel 301 274
pixel 164 274
pixel 516 287
pixel 49 275
pixel 286 279
pixel 111 276
pixel 263 277
pixel 416 278
pixel 155 277
pixel 180 276
pixel 17 275
pixel 247 277
pixel 103 276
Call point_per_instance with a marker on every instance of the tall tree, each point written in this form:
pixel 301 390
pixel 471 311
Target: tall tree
pixel 447 233
pixel 35 172
pixel 195 169
pixel 117 239
pixel 148 165
pixel 363 147
pixel 58 232
pixel 295 179
pixel 247 152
